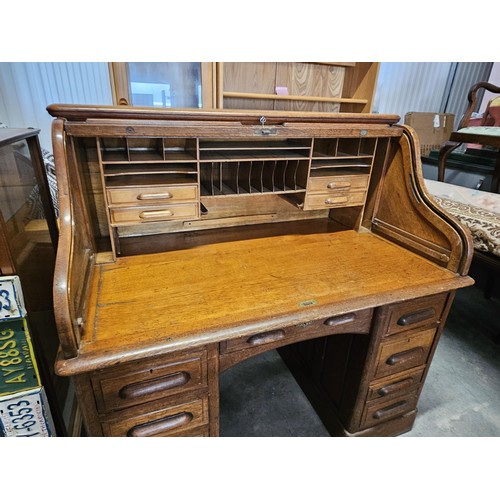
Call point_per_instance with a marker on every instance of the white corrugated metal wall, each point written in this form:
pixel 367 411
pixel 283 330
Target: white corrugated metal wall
pixel 436 87
pixel 27 88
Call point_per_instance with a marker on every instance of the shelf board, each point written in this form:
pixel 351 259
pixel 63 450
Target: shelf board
pixel 253 95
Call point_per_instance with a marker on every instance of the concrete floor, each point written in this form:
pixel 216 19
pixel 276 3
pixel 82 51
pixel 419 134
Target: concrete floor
pixel 461 396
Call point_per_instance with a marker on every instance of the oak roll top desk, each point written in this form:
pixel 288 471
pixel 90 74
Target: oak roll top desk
pixel 192 240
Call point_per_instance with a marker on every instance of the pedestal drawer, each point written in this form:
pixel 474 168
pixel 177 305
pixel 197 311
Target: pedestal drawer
pixel 380 411
pixel 418 313
pixel 141 382
pixel 396 385
pixel 405 353
pixel 155 420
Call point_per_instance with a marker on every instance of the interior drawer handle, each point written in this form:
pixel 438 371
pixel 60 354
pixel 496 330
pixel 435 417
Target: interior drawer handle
pixel 338 185
pixel 161 425
pixel 155 196
pixel 405 356
pixel 336 201
pixel 151 214
pixel 141 389
pixel 390 411
pixel 416 317
pixel 395 387
pixel 340 320
pixel 264 338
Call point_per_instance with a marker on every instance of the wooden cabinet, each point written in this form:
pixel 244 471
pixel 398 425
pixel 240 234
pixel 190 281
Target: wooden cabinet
pixel 191 241
pixel 297 86
pixel 282 86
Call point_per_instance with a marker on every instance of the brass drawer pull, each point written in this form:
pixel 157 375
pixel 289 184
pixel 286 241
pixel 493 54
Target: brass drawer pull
pixel 152 214
pixel 396 386
pixel 336 201
pixel 405 356
pixel 390 411
pixel 161 425
pixel 148 387
pixel 338 185
pixel 416 317
pixel 340 320
pixel 264 338
pixel 155 196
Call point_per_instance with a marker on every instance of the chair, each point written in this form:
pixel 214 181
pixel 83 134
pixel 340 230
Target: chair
pixel 484 133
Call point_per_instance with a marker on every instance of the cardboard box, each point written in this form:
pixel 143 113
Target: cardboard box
pixel 26 414
pixel 18 367
pixel 11 298
pixel 433 129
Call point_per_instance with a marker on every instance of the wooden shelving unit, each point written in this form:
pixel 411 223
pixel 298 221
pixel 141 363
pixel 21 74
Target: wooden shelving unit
pixel 282 86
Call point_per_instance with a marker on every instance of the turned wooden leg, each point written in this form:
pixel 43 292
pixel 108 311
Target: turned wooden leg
pixel 444 152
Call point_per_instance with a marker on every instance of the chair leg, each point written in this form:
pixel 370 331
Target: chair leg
pixel 444 152
pixel 495 183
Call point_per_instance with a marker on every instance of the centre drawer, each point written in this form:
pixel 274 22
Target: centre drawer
pixel 152 194
pixel 355 322
pixel 139 382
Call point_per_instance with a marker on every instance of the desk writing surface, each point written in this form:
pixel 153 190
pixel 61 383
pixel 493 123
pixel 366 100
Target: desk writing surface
pixel 179 299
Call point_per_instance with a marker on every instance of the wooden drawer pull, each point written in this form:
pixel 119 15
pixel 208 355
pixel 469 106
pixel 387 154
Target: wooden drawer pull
pixel 140 389
pixel 338 185
pixel 264 338
pixel 161 425
pixel 395 387
pixel 389 411
pixel 155 196
pixel 335 201
pixel 416 317
pixel 340 320
pixel 405 356
pixel 151 214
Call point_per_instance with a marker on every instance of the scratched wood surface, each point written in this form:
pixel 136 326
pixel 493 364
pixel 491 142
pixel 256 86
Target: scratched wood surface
pixel 175 300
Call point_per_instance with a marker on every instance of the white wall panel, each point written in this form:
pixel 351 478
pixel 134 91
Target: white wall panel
pixel 413 86
pixel 27 88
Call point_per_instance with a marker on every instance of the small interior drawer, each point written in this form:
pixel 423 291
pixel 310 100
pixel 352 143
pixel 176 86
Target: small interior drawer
pixel 331 183
pixel 156 420
pixel 151 194
pixel 404 353
pixel 418 313
pixel 153 213
pixel 334 199
pixel 377 412
pixel 140 382
pixel 355 322
pixel 390 387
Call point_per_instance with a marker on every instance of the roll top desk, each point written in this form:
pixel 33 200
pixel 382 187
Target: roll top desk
pixel 192 240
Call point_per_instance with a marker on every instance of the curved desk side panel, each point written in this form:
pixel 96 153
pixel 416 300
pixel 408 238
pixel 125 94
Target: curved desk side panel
pixel 75 255
pixel 409 216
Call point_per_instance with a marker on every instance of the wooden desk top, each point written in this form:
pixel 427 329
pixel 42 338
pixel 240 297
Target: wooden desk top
pixel 152 304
